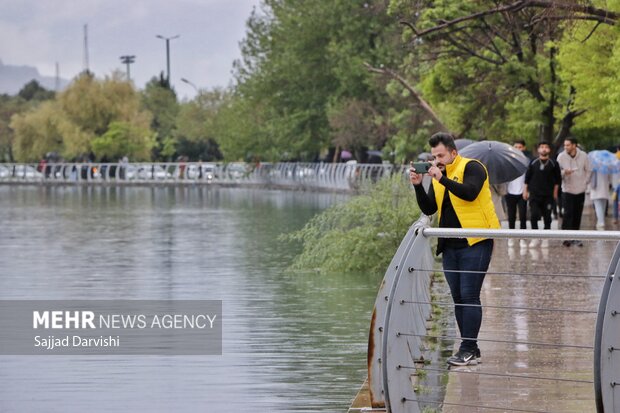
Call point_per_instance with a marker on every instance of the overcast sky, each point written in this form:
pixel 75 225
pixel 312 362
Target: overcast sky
pixel 42 32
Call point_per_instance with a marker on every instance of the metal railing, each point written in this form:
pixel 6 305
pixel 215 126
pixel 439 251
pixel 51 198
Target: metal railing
pixel 332 176
pixel 399 326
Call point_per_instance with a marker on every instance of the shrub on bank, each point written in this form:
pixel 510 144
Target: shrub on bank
pixel 361 234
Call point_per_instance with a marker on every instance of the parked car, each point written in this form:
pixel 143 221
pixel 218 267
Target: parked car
pixel 26 172
pixel 205 171
pixel 151 172
pixel 236 170
pixel 146 172
pixel 4 172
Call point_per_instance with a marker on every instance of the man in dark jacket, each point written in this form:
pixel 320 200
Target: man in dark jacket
pixel 542 180
pixel 460 193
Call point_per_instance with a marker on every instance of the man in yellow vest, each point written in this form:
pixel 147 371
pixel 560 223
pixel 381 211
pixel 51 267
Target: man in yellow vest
pixel 461 195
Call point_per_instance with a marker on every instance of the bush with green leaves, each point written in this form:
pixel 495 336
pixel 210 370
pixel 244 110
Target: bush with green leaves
pixel 360 235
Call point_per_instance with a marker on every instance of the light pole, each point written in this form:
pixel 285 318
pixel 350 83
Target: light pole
pixel 128 60
pixel 190 83
pixel 167 39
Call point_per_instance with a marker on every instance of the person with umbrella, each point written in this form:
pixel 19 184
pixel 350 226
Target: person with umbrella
pixel 514 199
pixel 460 194
pixel 542 182
pixel 575 168
pixel 604 165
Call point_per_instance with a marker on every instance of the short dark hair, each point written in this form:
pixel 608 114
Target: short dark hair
pixel 444 138
pixel 543 143
pixel 572 140
pixel 521 141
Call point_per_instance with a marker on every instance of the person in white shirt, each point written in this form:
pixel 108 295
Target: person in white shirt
pixel 576 171
pixel 514 200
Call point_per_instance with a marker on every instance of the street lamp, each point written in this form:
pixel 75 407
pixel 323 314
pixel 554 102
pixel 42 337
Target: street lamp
pixel 167 39
pixel 128 60
pixel 190 83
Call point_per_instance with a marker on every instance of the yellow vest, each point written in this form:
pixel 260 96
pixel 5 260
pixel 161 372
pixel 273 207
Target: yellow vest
pixel 479 213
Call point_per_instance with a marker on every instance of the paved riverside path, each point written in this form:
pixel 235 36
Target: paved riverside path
pixel 537 395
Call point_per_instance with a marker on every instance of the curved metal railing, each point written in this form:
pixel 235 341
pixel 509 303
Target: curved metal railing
pixel 397 354
pixel 331 176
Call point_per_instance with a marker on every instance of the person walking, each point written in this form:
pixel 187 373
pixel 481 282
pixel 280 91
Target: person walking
pixel 576 171
pixel 542 182
pixel 599 194
pixel 460 194
pixel 515 201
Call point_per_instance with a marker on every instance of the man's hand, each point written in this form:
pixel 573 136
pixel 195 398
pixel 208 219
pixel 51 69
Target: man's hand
pixel 435 172
pixel 415 178
pixel 567 171
pixel 526 195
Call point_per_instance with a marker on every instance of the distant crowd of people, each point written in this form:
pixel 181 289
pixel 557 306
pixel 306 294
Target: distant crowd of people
pixel 557 187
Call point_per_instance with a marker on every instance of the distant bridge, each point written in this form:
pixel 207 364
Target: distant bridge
pixel 327 176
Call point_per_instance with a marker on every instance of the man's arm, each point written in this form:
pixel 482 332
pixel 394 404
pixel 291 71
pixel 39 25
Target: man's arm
pixel 588 169
pixel 427 202
pixel 558 181
pixel 473 179
pixel 526 183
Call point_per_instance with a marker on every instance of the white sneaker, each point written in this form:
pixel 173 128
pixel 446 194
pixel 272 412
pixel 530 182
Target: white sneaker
pixel 511 242
pixel 545 243
pixel 600 227
pixel 523 243
pixel 534 243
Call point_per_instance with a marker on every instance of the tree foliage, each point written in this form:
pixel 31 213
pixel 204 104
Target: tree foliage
pixel 361 234
pixel 592 67
pixel 81 115
pixel 317 77
pixel 34 91
pixel 160 100
pixel 494 69
pixel 196 132
pixel 302 63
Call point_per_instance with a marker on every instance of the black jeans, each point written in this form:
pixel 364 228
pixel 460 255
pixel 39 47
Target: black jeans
pixel 514 202
pixel 465 269
pixel 573 208
pixel 541 207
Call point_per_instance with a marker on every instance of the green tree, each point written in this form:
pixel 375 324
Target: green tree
pixel 71 122
pixel 31 95
pixel 34 91
pixel 196 132
pixel 9 106
pixel 302 63
pixel 491 68
pixel 159 99
pixel 124 138
pixel 354 236
pixel 592 67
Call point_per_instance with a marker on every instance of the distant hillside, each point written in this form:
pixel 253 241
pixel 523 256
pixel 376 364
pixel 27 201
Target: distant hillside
pixel 13 78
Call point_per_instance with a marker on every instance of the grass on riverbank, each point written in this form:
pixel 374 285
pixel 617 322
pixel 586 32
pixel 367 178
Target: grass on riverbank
pixel 360 235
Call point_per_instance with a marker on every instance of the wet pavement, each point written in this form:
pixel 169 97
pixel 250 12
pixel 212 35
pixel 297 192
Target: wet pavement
pixel 569 368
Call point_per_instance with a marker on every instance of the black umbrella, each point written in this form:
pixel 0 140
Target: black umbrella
pixel 425 156
pixel 503 162
pixel 462 143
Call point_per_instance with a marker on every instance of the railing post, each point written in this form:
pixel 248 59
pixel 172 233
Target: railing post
pixel 405 324
pixel 381 312
pixel 607 342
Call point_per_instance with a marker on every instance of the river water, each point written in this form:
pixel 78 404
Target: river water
pixel 291 342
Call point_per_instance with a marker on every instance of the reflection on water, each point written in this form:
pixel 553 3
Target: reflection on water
pixel 292 342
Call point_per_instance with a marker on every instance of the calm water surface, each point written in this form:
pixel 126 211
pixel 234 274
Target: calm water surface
pixel 292 342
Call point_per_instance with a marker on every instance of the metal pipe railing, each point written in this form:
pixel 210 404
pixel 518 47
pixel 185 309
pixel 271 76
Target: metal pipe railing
pixel 521 233
pixel 340 176
pixel 397 337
